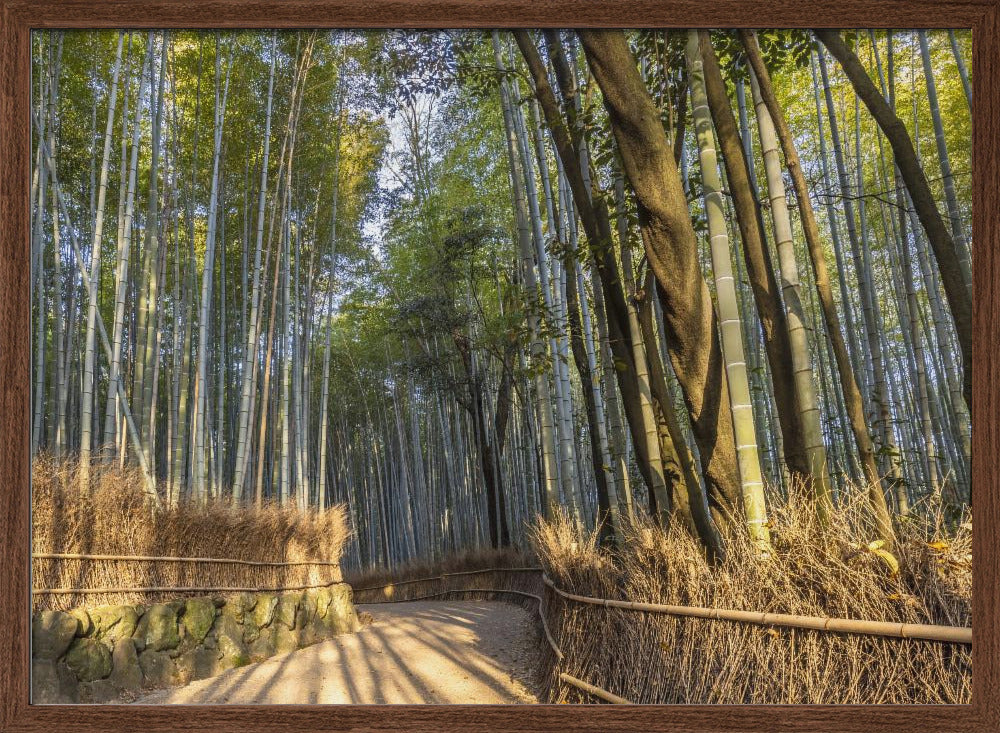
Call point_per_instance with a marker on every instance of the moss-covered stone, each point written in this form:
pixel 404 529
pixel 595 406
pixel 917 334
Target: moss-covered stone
pixel 341 616
pixel 263 646
pixel 309 634
pixel 112 623
pixel 126 674
pixel 228 637
pixel 306 610
pixel 86 625
pixel 52 683
pixel 275 639
pixel 159 670
pixel 324 598
pixel 198 617
pixel 157 629
pixel 89 659
pixel 250 633
pixel 99 692
pixel 251 624
pixel 232 653
pixel 287 608
pixel 51 634
pixel 240 605
pixel 198 664
pixel 110 652
pixel 285 640
pixel 263 612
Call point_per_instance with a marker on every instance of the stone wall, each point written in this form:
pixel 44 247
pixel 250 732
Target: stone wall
pixel 111 653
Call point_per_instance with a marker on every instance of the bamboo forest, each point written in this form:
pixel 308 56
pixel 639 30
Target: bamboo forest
pixel 678 318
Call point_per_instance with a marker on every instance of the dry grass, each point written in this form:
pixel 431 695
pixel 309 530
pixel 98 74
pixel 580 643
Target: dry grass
pixel 814 571
pixel 115 517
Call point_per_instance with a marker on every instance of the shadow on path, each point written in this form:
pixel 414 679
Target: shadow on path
pixel 439 652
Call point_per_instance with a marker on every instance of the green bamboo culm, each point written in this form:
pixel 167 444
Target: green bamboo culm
pixel 802 367
pixel 751 480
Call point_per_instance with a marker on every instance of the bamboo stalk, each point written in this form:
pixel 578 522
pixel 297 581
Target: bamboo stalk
pixel 145 558
pixel 593 690
pixel 952 634
pixel 85 591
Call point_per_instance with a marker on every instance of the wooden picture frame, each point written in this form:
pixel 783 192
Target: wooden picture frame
pixel 19 17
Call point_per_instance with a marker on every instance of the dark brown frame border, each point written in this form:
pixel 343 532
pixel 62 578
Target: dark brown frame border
pixel 19 17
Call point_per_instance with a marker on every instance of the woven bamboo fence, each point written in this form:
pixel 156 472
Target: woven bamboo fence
pixel 109 544
pixel 62 581
pixel 390 592
pixel 509 584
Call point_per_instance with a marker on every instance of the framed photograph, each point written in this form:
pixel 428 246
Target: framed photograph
pixel 488 365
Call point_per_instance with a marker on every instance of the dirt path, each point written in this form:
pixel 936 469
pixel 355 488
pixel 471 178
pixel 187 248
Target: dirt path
pixel 418 652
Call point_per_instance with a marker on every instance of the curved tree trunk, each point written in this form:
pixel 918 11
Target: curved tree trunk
pixel 593 214
pixel 693 337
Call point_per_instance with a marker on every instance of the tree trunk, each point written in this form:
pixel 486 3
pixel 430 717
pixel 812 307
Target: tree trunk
pixel 693 337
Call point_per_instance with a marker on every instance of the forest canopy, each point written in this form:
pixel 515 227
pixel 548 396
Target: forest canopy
pixel 455 280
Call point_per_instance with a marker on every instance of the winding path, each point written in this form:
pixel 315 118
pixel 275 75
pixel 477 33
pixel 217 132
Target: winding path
pixel 417 652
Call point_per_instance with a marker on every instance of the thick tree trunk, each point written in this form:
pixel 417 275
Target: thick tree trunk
pixel 693 337
pixel 593 214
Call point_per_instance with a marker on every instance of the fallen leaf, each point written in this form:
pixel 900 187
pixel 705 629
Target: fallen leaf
pixel 889 559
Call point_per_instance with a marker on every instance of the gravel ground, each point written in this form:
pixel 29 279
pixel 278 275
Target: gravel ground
pixel 454 652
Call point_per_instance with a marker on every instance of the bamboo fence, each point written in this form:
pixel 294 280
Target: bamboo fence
pixel 926 632
pixel 62 581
